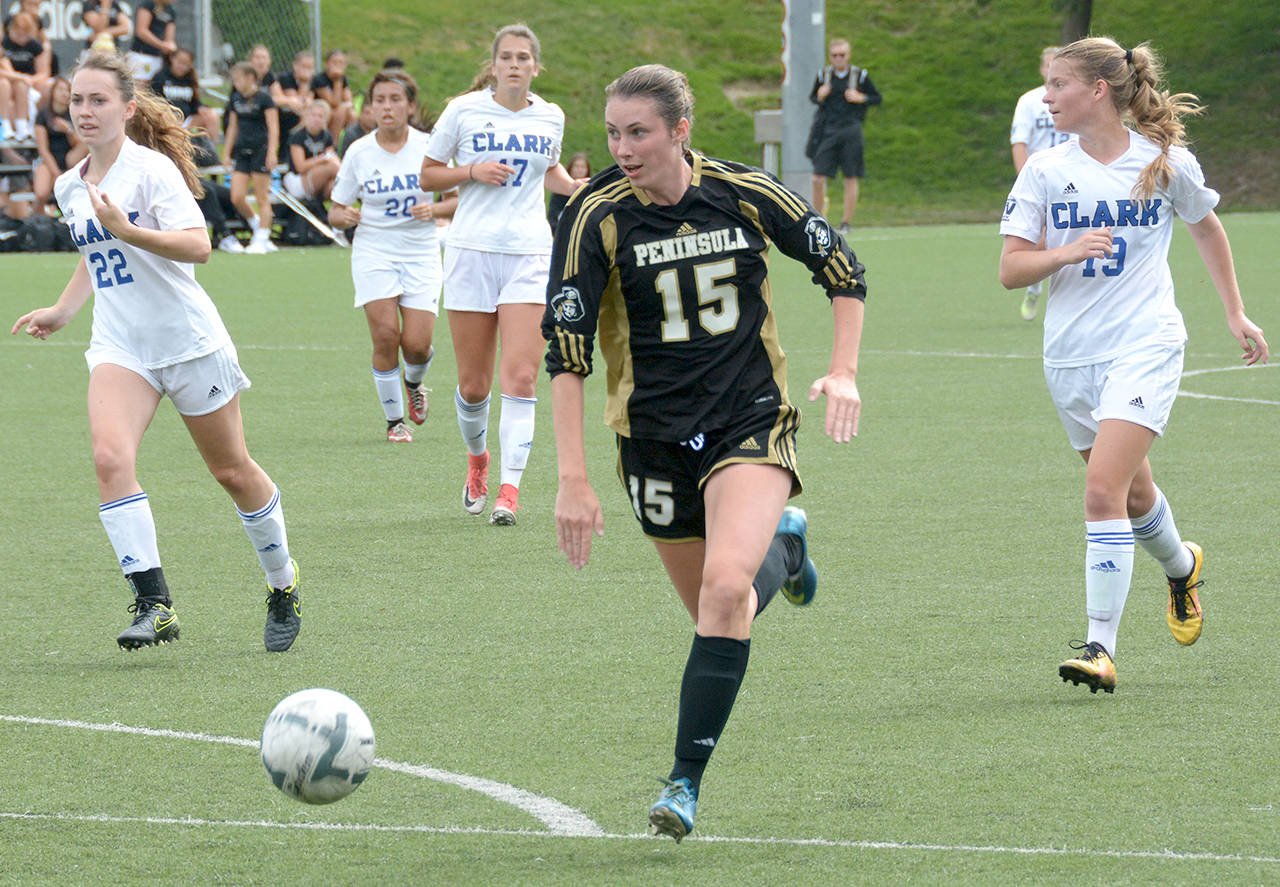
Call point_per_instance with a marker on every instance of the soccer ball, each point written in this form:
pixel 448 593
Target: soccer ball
pixel 317 746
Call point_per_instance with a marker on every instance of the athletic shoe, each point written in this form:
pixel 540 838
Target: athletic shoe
pixel 284 614
pixel 256 248
pixel 673 813
pixel 475 489
pixel 230 244
pixel 1184 616
pixel 504 511
pixel 418 405
pixel 843 229
pixel 399 433
pixel 1093 667
pixel 799 587
pixel 1029 304
pixel 270 247
pixel 154 622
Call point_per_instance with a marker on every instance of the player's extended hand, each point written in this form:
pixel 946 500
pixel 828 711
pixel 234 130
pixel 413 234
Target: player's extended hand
pixel 110 215
pixel 40 323
pixel 844 405
pixel 491 172
pixel 1249 335
pixel 423 212
pixel 578 518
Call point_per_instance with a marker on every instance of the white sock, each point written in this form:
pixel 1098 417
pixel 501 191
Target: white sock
pixel 261 234
pixel 390 392
pixel 1156 533
pixel 414 372
pixel 132 532
pixel 515 436
pixel 473 422
pixel 265 528
pixel 1108 569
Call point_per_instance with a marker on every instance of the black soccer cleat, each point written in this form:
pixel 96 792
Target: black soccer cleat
pixel 284 615
pixel 154 622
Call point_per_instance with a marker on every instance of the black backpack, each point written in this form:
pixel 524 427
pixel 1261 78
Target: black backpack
pixel 44 234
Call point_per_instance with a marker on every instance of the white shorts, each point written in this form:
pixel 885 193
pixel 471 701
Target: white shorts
pixel 1139 387
pixel 416 283
pixel 294 184
pixel 197 387
pixel 144 66
pixel 480 281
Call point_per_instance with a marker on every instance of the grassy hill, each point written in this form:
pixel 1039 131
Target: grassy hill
pixel 950 71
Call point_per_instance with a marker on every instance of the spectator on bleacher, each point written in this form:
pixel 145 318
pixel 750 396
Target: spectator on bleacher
pixel 313 163
pixel 365 122
pixel 106 21
pixel 154 31
pixel 294 91
pixel 32 8
pixel 57 144
pixel 250 147
pixel 24 72
pixel 332 86
pixel 178 83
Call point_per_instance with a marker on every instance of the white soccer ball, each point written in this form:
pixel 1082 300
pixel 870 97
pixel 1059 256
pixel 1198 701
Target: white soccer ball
pixel 317 746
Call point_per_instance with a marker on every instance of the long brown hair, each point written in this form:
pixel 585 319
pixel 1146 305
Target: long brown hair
pixel 1136 79
pixel 155 124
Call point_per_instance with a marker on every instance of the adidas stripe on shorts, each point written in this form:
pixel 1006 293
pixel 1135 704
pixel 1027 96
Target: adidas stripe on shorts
pixel 1139 386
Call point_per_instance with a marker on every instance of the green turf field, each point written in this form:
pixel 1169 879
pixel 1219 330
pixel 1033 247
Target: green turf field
pixel 907 728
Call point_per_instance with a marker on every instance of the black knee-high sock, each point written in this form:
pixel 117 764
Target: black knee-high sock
pixel 783 555
pixel 712 677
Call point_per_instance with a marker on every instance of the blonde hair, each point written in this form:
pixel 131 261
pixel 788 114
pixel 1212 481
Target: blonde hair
pixel 667 88
pixel 484 77
pixel 1135 78
pixel 155 124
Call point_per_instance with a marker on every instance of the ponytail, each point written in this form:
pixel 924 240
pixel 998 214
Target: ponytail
pixel 1135 78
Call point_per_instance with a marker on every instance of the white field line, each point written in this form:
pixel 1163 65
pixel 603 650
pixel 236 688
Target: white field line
pixel 905 846
pixel 558 818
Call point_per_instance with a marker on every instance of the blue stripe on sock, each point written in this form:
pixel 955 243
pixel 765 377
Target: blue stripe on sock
pixel 520 399
pixel 469 407
pixel 1152 527
pixel 127 500
pixel 385 374
pixel 263 512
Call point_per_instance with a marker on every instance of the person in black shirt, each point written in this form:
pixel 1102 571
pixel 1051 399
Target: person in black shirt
pixel 177 82
pixel 313 163
pixel 24 66
pixel 292 91
pixel 579 167
pixel 366 122
pixel 664 257
pixel 252 136
pixel 842 92
pixel 57 144
pixel 331 85
pixel 107 23
pixel 154 32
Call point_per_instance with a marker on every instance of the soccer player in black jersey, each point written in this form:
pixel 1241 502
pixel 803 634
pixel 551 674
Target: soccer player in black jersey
pixel 664 257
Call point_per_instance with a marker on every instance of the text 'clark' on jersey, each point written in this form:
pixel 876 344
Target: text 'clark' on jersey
pixel 680 295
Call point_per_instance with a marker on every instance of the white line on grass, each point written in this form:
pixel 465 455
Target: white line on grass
pixel 558 818
pixel 907 846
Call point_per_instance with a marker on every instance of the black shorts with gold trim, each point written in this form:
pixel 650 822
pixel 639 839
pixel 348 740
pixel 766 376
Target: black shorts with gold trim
pixel 664 479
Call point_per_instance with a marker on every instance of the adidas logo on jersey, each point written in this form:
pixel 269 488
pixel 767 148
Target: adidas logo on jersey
pixel 488 124
pixel 684 229
pixel 214 391
pixel 1070 189
pixel 749 444
pixel 1137 402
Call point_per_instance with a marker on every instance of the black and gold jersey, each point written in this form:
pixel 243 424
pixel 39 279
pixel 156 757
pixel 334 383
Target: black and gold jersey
pixel 679 295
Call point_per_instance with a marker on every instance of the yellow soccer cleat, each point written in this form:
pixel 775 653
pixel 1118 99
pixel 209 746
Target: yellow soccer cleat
pixel 1093 667
pixel 1184 616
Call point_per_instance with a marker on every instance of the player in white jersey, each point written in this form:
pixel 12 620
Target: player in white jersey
pixel 155 332
pixel 395 263
pixel 1032 130
pixel 1113 338
pixel 504 142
